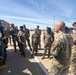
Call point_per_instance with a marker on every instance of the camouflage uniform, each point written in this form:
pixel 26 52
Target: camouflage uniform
pixel 27 37
pixel 61 51
pixel 39 32
pixel 22 40
pixel 7 34
pixel 35 39
pixel 14 32
pixel 73 57
pixel 48 40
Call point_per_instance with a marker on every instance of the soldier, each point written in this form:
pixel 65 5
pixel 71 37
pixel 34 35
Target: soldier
pixel 35 39
pixel 73 56
pixel 22 40
pixel 14 32
pixel 39 32
pixel 61 51
pixel 27 36
pixel 48 40
pixel 7 33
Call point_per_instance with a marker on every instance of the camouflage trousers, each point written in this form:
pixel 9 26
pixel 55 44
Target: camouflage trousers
pixel 73 68
pixel 23 46
pixel 39 43
pixel 15 39
pixel 73 62
pixel 28 41
pixel 35 48
pixel 9 39
pixel 47 46
pixel 58 69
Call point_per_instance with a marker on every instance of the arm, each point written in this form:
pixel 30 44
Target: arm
pixel 32 40
pixel 56 47
pixel 19 36
pixel 43 37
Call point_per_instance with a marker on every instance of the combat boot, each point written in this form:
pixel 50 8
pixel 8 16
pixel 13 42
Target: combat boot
pixel 15 50
pixel 30 49
pixel 43 57
pixel 32 55
pixel 24 55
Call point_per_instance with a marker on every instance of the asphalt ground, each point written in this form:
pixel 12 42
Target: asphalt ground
pixel 19 65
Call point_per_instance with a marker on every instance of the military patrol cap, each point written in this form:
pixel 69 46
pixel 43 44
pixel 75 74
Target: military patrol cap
pixel 21 26
pixel 12 25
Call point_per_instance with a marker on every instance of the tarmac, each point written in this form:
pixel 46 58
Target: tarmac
pixel 18 65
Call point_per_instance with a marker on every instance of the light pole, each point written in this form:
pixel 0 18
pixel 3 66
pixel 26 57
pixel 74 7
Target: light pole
pixel 54 22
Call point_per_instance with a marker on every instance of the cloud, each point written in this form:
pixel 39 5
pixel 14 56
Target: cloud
pixel 62 7
pixel 27 19
pixel 33 12
pixel 30 21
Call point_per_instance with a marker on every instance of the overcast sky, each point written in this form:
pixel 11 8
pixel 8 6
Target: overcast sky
pixel 38 12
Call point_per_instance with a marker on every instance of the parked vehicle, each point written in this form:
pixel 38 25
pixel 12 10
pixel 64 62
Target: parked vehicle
pixel 3 53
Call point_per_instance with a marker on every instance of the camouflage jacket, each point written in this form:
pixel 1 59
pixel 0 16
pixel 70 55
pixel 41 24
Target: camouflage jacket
pixel 39 32
pixel 27 33
pixel 61 48
pixel 13 32
pixel 35 38
pixel 21 36
pixel 7 32
pixel 48 37
pixel 74 38
pixel 73 56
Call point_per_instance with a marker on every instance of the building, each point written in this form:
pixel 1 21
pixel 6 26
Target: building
pixel 4 23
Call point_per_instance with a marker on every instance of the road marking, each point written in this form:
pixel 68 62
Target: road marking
pixel 27 71
pixel 42 67
pixel 2 66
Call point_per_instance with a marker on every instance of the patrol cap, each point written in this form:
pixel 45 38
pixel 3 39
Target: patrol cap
pixel 12 24
pixel 21 26
pixel 37 26
pixel 74 23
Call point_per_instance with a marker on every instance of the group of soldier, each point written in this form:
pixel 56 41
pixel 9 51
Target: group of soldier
pixel 61 45
pixel 21 36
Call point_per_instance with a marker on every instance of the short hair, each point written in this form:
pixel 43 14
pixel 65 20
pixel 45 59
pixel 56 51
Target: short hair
pixel 66 29
pixel 73 23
